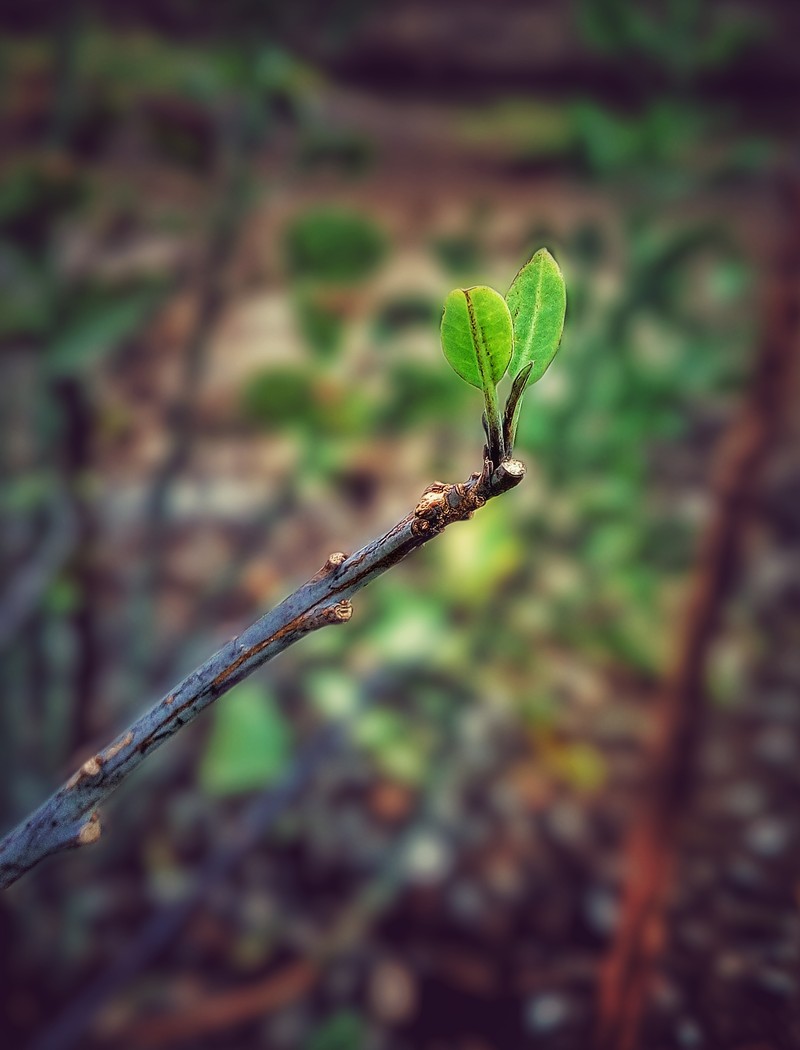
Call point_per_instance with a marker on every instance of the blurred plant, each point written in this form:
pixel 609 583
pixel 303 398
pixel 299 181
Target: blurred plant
pixel 250 743
pixel 346 1030
pixel 289 398
pixel 328 252
pixel 333 246
pixel 322 321
pixel 682 37
pixel 458 253
pixel 648 357
pixel 404 312
pixel 345 152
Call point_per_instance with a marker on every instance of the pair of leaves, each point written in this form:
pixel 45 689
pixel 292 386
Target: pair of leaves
pixel 485 335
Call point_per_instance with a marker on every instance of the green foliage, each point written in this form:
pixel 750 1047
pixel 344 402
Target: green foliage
pixel 279 396
pixel 334 245
pixel 24 298
pixel 519 132
pixel 416 393
pixel 662 134
pixel 250 743
pixel 643 364
pixel 684 37
pixel 321 325
pixel 292 397
pixel 344 1031
pixel 33 197
pixel 99 323
pixel 459 254
pixel 347 152
pixel 396 743
pixel 404 312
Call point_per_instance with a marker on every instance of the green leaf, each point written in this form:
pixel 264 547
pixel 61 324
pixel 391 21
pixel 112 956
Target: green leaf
pixel 334 246
pixel 99 331
pixel 346 1030
pixel 476 335
pixel 537 300
pixel 250 743
pixel 396 745
pixel 513 406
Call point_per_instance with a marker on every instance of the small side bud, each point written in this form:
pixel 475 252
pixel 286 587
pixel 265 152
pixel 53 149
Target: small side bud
pixel 341 612
pixel 90 832
pixel 90 768
pixel 332 563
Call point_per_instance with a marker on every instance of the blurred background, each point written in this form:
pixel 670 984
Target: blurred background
pixel 226 232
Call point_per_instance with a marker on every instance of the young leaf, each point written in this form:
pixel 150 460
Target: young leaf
pixel 513 405
pixel 537 301
pixel 477 340
pixel 476 335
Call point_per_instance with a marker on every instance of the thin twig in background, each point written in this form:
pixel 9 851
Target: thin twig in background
pixel 24 593
pixel 651 853
pixel 237 140
pixel 176 650
pixel 69 818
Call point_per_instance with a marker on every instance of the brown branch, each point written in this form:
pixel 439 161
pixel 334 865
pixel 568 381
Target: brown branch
pixel 69 818
pixel 651 854
pixel 219 1011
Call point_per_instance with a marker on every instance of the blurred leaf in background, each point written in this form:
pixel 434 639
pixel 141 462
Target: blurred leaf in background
pixel 334 246
pixel 250 743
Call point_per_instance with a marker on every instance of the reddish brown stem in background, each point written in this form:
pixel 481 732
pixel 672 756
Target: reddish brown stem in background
pixel 220 1011
pixel 651 852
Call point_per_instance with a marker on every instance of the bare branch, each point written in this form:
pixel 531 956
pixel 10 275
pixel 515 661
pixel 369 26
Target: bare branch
pixel 69 817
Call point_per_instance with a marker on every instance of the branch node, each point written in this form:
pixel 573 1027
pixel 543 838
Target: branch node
pixel 339 613
pixel 333 562
pixel 90 832
pixel 90 768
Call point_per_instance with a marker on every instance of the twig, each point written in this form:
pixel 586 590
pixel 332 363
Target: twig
pixel 177 649
pixel 224 1010
pixel 69 818
pixel 238 141
pixel 25 592
pixel 652 847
